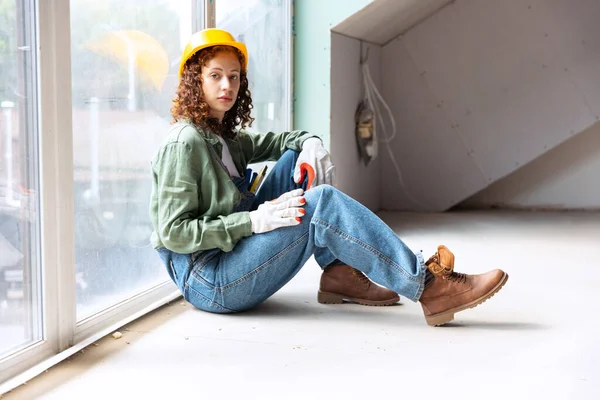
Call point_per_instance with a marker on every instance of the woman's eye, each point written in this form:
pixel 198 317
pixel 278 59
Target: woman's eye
pixel 234 78
pixel 214 76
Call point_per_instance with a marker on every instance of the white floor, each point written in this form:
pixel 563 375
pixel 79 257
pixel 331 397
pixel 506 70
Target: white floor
pixel 538 338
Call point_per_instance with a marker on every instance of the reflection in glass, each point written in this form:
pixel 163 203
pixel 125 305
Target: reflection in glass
pixel 262 25
pixel 20 269
pixel 125 57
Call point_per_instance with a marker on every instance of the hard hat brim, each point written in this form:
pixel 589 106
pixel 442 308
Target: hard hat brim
pixel 238 45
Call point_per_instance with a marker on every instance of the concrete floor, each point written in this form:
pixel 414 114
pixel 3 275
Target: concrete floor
pixel 537 338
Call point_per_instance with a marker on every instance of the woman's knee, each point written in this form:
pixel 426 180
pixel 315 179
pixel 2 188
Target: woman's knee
pixel 319 197
pixel 289 157
pixel 322 192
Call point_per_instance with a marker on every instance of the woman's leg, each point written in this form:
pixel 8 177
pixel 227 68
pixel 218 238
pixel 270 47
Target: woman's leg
pixel 338 282
pixel 334 227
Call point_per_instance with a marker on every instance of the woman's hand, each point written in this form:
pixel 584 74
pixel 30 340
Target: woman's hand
pixel 314 155
pixel 286 210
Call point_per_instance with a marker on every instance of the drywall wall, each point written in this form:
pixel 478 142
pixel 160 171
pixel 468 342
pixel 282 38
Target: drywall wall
pixel 354 178
pixel 434 167
pixel 481 88
pixel 313 20
pixel 564 178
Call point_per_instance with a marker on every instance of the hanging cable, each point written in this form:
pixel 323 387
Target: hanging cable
pixel 373 94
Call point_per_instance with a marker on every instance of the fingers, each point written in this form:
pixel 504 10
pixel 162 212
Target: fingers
pixel 289 195
pixel 311 174
pixel 293 202
pixel 325 173
pixel 330 176
pixel 298 174
pixel 271 216
pixel 290 221
pixel 294 193
pixel 333 176
pixel 291 212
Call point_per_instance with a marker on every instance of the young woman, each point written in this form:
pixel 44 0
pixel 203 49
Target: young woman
pixel 228 249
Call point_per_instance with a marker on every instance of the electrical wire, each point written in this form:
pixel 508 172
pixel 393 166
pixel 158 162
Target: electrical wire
pixel 372 94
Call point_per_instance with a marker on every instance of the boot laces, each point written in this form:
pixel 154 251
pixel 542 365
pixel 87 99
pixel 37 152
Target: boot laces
pixel 457 277
pixel 444 271
pixel 361 277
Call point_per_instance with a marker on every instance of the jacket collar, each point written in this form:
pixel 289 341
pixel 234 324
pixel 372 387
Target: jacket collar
pixel 211 137
pixel 234 145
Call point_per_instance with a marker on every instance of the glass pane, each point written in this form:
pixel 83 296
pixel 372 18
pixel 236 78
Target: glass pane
pixel 125 57
pixel 263 25
pixel 20 292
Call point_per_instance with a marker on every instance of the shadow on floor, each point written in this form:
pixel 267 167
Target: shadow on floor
pixel 498 326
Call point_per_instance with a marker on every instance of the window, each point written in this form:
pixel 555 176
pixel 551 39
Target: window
pixel 265 27
pixel 20 268
pixel 124 61
pixel 79 125
pixel 74 225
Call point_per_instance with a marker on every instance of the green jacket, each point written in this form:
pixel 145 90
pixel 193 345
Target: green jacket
pixel 193 196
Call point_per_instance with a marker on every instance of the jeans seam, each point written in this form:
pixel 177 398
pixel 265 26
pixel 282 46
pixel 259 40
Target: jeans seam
pixel 209 301
pixel 197 267
pixel 263 265
pixel 367 247
pixel 206 283
pixel 422 269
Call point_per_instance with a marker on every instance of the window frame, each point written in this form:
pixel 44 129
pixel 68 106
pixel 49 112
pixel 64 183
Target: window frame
pixel 210 20
pixel 62 335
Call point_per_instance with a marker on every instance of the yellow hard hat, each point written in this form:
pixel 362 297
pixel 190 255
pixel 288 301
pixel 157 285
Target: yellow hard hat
pixel 208 38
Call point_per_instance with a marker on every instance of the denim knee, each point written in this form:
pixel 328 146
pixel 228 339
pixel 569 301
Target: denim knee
pixel 323 191
pixel 289 156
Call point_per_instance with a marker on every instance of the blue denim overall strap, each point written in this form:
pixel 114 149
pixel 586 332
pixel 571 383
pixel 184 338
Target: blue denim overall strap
pixel 247 199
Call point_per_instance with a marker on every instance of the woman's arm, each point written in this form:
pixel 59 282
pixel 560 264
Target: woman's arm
pixel 271 146
pixel 180 226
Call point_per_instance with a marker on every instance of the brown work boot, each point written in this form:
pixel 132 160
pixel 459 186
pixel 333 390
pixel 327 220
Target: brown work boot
pixel 450 292
pixel 342 282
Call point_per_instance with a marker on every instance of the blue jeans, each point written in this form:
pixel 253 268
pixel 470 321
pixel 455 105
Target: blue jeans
pixel 335 227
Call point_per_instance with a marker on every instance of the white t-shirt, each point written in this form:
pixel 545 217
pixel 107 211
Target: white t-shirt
pixel 226 158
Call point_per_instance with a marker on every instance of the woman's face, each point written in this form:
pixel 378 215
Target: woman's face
pixel 221 83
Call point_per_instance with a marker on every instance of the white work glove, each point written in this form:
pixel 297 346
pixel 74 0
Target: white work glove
pixel 286 210
pixel 314 155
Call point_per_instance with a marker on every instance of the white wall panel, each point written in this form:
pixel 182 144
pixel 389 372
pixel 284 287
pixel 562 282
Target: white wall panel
pixel 573 29
pixel 566 177
pixel 487 76
pixel 435 163
pixel 480 89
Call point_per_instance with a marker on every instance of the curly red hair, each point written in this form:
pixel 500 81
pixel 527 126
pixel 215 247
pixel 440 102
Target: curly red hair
pixel 189 101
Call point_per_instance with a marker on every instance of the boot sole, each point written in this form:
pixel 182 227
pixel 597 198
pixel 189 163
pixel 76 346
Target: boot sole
pixel 334 298
pixel 447 316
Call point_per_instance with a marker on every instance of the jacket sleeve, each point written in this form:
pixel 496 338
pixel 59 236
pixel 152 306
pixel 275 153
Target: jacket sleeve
pixel 179 228
pixel 271 146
